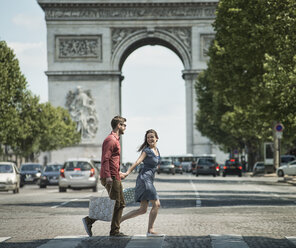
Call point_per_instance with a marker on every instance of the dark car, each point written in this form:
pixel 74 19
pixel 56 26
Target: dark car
pixel 97 164
pixel 232 167
pixel 30 173
pixel 205 166
pixel 50 175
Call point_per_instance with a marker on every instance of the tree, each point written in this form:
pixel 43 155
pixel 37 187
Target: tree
pixel 12 92
pixel 250 73
pixel 27 126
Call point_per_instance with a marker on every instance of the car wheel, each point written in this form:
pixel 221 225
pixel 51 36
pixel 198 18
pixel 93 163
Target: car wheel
pixel 42 186
pixel 62 189
pixel 280 173
pixel 224 175
pixel 95 189
pixel 196 175
pixel 214 175
pixel 240 175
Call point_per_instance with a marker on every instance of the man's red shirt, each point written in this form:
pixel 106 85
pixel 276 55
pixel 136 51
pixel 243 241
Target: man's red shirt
pixel 110 161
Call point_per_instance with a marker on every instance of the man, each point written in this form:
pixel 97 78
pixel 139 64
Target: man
pixel 111 176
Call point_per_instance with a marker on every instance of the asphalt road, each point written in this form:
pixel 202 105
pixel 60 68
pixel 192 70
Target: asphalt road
pixel 196 212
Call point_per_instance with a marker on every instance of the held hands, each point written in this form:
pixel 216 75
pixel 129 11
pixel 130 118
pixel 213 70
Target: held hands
pixel 123 175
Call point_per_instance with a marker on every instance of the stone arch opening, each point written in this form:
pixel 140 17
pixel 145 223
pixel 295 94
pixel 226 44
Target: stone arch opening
pixel 177 40
pixel 153 96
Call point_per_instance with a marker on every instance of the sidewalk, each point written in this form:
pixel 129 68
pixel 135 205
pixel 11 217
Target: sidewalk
pixel 286 179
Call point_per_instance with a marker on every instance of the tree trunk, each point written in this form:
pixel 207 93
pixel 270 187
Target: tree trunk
pixel 252 155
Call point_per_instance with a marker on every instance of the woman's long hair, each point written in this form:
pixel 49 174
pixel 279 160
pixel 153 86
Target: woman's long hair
pixel 145 144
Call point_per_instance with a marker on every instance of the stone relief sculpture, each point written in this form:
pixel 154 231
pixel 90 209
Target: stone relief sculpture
pixel 119 34
pixel 82 110
pixel 187 10
pixel 182 33
pixel 78 47
pixel 205 41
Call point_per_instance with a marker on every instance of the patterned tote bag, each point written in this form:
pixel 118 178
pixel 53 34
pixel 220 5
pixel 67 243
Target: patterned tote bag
pixel 101 208
pixel 129 195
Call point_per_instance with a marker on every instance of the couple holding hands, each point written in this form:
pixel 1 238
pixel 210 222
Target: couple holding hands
pixel 111 176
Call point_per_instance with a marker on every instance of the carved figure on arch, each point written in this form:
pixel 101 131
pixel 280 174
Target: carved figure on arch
pixel 82 110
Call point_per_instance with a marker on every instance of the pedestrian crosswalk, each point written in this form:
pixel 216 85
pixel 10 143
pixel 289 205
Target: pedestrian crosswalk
pixel 141 241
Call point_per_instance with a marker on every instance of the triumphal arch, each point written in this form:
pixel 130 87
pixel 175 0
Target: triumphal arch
pixel 88 42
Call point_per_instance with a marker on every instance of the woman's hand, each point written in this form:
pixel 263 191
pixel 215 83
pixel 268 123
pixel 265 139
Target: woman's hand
pixel 122 175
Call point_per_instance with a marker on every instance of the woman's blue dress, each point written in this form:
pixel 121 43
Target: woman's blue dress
pixel 145 190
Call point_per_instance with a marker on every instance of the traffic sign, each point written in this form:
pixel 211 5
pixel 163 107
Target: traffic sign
pixel 279 127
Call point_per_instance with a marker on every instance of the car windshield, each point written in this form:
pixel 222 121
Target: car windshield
pixel 31 167
pixel 286 159
pixel 233 163
pixel 206 161
pixel 51 168
pixel 6 168
pixel 78 165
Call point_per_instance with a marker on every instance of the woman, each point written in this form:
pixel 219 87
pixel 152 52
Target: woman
pixel 145 190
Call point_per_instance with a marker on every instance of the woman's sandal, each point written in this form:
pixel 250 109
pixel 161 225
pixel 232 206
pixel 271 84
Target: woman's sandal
pixel 154 234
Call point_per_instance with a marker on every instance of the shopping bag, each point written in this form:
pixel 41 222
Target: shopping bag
pixel 101 208
pixel 129 195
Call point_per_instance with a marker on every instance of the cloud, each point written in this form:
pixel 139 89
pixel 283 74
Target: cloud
pixel 28 22
pixel 30 55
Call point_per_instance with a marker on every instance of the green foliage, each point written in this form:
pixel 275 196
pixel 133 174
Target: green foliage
pixel 12 91
pixel 26 125
pixel 251 75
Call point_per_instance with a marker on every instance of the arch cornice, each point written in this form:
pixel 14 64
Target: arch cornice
pixel 127 40
pixel 128 9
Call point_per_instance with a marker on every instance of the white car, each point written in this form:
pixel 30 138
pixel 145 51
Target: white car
pixel 9 177
pixel 78 173
pixel 288 169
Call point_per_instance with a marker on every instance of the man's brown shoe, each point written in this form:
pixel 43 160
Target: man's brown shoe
pixel 120 234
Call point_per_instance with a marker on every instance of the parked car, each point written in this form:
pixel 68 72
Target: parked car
pixel 186 166
pixel 166 166
pixel 205 166
pixel 285 159
pixel 288 169
pixel 258 168
pixel 232 167
pixel 9 177
pixel 78 174
pixel 50 175
pixel 30 173
pixel 178 167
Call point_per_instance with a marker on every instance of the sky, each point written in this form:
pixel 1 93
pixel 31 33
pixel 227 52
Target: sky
pixel 153 91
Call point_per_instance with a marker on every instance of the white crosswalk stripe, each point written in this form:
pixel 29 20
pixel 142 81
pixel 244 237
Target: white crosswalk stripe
pixel 2 239
pixel 142 241
pixel 63 242
pixel 228 241
pixel 292 239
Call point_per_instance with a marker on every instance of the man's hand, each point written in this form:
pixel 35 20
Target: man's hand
pixel 109 180
pixel 122 175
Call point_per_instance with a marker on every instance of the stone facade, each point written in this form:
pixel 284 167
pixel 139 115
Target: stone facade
pixel 88 42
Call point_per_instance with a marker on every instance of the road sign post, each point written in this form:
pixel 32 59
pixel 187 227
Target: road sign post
pixel 278 134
